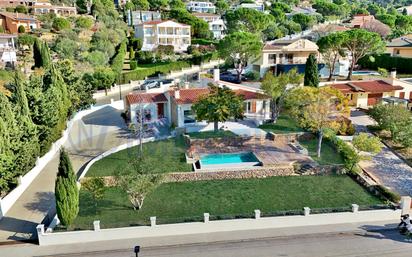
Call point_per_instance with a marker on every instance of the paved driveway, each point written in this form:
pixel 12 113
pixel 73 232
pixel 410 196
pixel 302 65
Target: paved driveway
pixel 94 134
pixel 388 168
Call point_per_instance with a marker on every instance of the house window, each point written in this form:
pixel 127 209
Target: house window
pixel 188 116
pixel 272 58
pixel 397 51
pixel 289 58
pixel 248 107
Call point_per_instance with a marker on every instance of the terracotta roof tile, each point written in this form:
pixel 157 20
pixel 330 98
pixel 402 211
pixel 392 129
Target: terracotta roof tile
pixel 136 98
pixel 19 16
pixel 188 96
pixel 373 86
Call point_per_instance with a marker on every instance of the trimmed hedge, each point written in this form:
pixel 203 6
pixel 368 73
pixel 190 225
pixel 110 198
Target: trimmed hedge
pixel 388 194
pixel 117 61
pixel 402 65
pixel 141 74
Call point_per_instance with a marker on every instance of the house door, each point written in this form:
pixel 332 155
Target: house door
pixel 402 95
pixel 253 106
pixel 160 110
pixel 373 99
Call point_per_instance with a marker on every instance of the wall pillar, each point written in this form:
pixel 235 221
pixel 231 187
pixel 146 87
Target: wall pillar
pixel 153 221
pixel 206 217
pixel 405 204
pixel 306 211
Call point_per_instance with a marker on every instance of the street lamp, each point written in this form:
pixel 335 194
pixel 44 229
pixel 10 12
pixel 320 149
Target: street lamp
pixel 137 250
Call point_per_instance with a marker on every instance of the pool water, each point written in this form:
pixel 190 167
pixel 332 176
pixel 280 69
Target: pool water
pixel 226 158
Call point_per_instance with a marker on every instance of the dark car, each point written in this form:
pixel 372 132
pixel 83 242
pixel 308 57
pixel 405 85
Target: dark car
pixel 232 78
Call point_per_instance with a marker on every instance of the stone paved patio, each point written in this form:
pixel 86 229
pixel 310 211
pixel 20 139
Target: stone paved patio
pixel 268 152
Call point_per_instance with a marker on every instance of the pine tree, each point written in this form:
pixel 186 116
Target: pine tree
pixel 311 72
pixel 66 191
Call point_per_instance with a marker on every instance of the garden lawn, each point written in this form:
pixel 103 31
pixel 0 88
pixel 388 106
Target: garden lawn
pixel 185 201
pixel 328 153
pixel 284 124
pixel 158 157
pixel 212 134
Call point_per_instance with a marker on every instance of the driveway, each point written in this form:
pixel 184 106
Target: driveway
pixel 90 136
pixel 386 166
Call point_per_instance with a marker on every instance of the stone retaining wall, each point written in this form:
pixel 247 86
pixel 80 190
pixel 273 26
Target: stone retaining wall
pixel 110 181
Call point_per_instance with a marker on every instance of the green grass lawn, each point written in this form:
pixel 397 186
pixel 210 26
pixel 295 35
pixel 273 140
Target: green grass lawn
pixel 173 202
pixel 212 134
pixel 284 124
pixel 328 153
pixel 158 157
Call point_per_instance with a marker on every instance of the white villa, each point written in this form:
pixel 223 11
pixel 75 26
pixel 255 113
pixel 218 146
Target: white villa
pixel 175 105
pixel 8 49
pixel 216 24
pixel 257 6
pixel 138 17
pixel 155 33
pixel 203 7
pixel 43 7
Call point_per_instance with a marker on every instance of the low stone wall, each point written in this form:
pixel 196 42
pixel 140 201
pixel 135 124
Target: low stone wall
pixel 233 174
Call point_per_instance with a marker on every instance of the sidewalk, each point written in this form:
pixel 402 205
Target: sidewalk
pixel 34 204
pixel 22 250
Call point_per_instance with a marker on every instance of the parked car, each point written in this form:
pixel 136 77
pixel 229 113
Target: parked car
pixel 232 78
pixel 150 84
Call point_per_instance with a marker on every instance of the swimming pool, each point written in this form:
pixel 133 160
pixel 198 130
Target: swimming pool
pixel 364 72
pixel 228 160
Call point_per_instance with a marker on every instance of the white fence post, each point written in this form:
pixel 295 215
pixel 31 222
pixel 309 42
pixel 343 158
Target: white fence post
pixel 355 208
pixel 306 211
pixel 96 225
pixel 257 214
pixel 153 221
pixel 206 217
pixel 405 204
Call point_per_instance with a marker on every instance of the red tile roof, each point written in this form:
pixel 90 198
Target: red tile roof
pixel 248 95
pixel 373 86
pixel 188 96
pixel 136 98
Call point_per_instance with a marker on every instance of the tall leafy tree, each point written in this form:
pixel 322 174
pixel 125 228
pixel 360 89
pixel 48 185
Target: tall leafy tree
pixel 311 72
pixel 278 88
pixel 248 20
pixel 315 109
pixel 219 105
pixel 141 4
pixel 359 43
pixel 239 48
pixel 66 191
pixel 331 48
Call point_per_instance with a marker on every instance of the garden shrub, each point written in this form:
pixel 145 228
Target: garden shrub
pixel 349 154
pixel 118 60
pixel 133 64
pixel 253 75
pixel 146 57
pixel 165 50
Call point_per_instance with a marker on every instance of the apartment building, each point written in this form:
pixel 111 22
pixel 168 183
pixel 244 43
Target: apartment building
pixel 203 7
pixel 155 33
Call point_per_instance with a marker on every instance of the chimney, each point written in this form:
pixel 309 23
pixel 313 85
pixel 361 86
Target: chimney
pixel 393 74
pixel 186 85
pixel 216 74
pixel 177 94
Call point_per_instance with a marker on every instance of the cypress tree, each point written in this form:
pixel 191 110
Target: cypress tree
pixel 41 54
pixel 311 72
pixel 37 53
pixel 66 191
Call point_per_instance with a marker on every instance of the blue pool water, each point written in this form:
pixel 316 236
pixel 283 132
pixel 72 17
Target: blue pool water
pixel 226 158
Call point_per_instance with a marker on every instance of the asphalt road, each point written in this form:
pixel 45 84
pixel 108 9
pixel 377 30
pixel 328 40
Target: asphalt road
pixel 384 243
